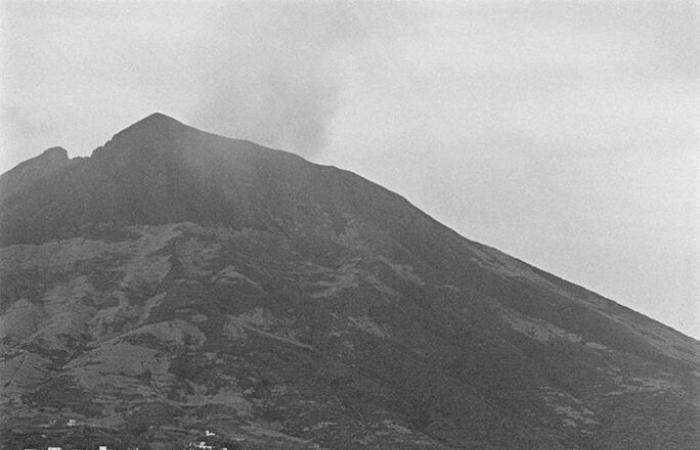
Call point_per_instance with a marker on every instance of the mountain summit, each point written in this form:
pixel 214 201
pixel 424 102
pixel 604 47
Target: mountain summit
pixel 32 170
pixel 177 281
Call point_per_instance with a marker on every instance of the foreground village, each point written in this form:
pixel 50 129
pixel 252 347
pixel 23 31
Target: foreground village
pixel 208 441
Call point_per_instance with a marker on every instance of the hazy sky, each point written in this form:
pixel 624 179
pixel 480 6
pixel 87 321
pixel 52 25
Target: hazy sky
pixel 565 134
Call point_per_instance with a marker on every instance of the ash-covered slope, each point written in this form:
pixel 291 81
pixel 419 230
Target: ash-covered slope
pixel 178 281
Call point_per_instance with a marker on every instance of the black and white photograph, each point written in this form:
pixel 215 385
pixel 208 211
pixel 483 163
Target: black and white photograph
pixel 349 225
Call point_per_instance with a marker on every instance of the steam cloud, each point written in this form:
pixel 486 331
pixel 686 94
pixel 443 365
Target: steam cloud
pixel 273 76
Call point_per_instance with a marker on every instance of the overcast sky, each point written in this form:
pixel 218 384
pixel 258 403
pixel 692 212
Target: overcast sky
pixel 565 134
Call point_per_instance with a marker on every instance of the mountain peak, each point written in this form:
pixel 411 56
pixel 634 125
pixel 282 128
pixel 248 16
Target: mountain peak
pixel 153 124
pixel 28 172
pixel 54 153
pixel 157 118
pixel 155 131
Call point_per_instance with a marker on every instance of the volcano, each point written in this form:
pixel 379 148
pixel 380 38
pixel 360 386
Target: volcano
pixel 177 282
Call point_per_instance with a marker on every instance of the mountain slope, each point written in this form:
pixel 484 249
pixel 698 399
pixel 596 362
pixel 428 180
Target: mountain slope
pixel 177 281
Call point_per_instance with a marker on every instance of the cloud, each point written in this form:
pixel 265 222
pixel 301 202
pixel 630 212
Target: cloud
pixel 269 73
pixel 259 71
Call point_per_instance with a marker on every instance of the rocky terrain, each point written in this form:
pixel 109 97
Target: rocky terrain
pixel 178 281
